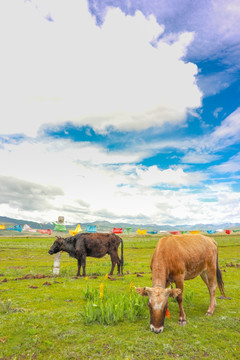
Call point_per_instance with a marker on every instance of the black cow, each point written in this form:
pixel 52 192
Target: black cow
pixel 90 244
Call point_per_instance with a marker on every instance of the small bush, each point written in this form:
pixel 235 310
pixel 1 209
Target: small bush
pixel 6 306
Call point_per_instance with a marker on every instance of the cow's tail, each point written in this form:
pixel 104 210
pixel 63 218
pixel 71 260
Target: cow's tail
pixel 121 260
pixel 219 279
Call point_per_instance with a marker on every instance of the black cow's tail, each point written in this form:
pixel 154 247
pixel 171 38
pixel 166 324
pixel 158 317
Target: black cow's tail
pixel 219 279
pixel 121 260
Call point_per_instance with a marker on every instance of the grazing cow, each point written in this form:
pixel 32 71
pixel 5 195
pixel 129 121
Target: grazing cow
pixel 90 244
pixel 175 259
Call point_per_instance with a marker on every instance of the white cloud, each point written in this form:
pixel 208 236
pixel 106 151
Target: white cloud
pixel 153 176
pixel 71 70
pixel 193 157
pixel 231 166
pixel 229 131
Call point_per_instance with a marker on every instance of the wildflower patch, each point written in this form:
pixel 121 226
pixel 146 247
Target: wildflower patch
pixel 105 307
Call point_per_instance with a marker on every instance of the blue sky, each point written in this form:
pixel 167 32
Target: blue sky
pixel 120 111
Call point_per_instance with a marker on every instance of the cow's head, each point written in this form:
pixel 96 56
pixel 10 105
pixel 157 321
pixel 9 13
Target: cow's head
pixel 57 246
pixel 158 304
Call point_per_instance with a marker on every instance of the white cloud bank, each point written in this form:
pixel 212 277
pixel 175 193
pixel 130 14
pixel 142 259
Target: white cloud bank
pixel 71 70
pixel 41 180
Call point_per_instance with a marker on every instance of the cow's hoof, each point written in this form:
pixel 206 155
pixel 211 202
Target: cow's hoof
pixel 182 322
pixel 208 313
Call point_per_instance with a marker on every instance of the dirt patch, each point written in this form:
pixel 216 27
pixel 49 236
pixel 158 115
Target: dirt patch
pixel 31 276
pixel 33 287
pixel 224 297
pixel 233 265
pixel 47 283
pixel 16 267
pixel 4 280
pixel 111 278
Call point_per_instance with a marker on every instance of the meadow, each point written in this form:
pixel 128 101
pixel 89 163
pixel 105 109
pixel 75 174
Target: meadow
pixel 64 317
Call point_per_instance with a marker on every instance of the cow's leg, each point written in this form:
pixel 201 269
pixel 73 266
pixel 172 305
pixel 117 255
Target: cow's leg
pixel 79 267
pixel 114 261
pixel 209 277
pixel 180 284
pixel 118 265
pixel 84 264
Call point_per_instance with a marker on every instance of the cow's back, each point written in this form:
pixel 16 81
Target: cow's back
pixel 187 254
pixel 99 244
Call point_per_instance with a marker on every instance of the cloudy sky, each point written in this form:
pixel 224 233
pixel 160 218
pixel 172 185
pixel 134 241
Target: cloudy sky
pixel 120 110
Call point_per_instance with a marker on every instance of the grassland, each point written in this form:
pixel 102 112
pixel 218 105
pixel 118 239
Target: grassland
pixel 41 317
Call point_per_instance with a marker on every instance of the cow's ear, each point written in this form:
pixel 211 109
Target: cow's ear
pixel 173 292
pixel 142 291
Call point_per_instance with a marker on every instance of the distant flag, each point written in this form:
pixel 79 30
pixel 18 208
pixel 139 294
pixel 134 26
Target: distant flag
pixel 45 231
pixel 141 231
pixel 16 228
pixel 211 231
pixel 76 231
pixel 117 230
pixel 27 228
pixel 228 231
pixel 127 230
pixel 59 227
pixel 91 228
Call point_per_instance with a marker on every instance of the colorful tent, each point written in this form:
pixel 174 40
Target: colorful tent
pixel 211 231
pixel 183 232
pixel 141 232
pixel 228 231
pixel 59 227
pixel 15 228
pixel 91 228
pixel 27 228
pixel 194 232
pixel 45 231
pixel 76 231
pixel 152 232
pixel 117 231
pixel 2 227
pixel 175 232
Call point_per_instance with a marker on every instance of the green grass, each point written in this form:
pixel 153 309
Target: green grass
pixel 44 318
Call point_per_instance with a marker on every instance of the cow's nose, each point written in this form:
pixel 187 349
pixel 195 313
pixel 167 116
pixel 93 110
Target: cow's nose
pixel 50 252
pixel 155 329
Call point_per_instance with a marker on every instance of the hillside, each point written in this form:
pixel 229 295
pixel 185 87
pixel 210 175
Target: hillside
pixel 108 226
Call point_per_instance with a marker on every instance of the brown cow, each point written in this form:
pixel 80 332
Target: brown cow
pixel 175 259
pixel 90 244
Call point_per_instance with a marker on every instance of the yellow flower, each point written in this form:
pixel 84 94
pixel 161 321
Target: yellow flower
pixel 101 295
pixel 106 276
pixel 101 287
pixel 131 286
pixel 86 278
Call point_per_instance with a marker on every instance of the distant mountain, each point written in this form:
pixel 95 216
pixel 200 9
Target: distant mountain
pixel 108 226
pixel 35 225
